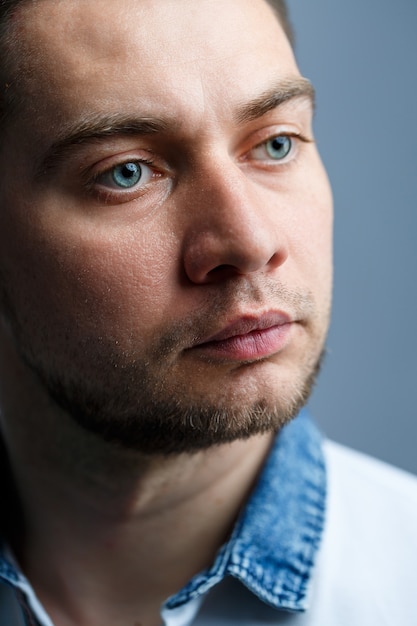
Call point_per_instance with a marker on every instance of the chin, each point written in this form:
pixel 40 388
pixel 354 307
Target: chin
pixel 172 423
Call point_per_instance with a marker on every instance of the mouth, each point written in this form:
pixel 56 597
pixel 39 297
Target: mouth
pixel 248 338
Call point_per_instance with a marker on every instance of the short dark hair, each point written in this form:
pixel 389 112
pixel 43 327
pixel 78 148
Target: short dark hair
pixel 8 44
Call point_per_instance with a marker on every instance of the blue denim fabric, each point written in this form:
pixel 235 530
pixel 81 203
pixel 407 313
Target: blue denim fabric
pixel 275 540
pixel 18 605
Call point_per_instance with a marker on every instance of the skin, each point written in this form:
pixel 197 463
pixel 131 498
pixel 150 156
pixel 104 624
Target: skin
pixel 103 289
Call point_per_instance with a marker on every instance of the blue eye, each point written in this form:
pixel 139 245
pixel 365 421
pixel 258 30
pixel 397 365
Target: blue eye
pixel 278 147
pixel 127 175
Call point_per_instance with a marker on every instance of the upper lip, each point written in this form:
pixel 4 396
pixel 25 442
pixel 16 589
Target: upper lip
pixel 248 323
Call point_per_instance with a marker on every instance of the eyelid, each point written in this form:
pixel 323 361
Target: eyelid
pixel 295 136
pixel 115 195
pixel 108 172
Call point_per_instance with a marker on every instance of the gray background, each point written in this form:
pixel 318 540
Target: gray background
pixel 362 59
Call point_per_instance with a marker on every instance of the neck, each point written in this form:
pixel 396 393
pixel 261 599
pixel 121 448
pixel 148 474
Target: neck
pixel 109 534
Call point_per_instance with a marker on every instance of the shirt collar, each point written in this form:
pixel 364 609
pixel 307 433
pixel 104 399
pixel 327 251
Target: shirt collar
pixel 275 541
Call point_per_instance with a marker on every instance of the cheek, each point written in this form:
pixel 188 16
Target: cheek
pixel 123 281
pixel 86 280
pixel 313 236
pixel 313 228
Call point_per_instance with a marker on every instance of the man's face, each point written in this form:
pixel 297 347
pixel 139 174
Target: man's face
pixel 165 223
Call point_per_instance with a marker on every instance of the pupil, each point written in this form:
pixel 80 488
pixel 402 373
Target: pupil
pixel 127 175
pixel 279 143
pixel 129 170
pixel 279 147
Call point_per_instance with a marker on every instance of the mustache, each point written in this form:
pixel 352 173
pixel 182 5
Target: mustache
pixel 241 296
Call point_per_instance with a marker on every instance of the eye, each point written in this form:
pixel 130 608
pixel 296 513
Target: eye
pixel 276 148
pixel 125 175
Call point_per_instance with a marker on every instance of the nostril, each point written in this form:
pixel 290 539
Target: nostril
pixel 220 268
pixel 215 254
pixel 221 272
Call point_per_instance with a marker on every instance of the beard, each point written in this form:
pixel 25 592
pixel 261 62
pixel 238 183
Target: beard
pixel 145 400
pixel 170 423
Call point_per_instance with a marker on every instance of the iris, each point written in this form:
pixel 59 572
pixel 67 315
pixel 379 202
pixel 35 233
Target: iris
pixel 127 175
pixel 278 147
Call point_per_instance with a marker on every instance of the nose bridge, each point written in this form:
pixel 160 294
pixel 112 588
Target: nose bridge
pixel 228 204
pixel 233 226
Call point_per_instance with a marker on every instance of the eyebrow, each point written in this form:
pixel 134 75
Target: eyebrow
pixel 281 93
pixel 97 127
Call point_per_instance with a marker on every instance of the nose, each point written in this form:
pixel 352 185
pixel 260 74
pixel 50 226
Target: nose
pixel 234 228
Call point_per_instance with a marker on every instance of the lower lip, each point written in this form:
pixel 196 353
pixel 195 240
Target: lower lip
pixel 258 344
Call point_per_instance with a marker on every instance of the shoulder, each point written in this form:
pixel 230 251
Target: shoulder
pixel 371 505
pixel 367 561
pixel 359 465
pixel 368 485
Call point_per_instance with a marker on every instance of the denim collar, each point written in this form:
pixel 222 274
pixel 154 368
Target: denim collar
pixel 275 541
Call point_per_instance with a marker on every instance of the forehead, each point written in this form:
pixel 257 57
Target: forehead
pixel 169 57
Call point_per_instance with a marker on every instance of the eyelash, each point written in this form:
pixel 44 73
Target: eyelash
pixel 108 194
pixel 293 137
pixel 92 182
